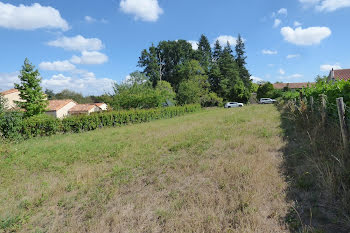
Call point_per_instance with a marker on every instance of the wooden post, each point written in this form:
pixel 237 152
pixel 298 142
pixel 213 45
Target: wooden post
pixel 323 109
pixel 312 103
pixel 343 127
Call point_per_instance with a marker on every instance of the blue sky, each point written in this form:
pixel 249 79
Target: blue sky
pixel 86 45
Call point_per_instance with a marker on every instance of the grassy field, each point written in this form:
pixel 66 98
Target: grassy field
pixel 213 171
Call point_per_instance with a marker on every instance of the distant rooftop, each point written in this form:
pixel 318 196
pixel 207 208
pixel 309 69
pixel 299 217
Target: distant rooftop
pixel 343 74
pixel 55 105
pixel 292 85
pixel 9 91
pixel 80 108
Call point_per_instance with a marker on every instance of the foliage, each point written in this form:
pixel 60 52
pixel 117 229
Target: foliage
pixel 11 125
pixel 241 62
pixel 30 91
pixel 204 53
pixel 15 127
pixel 176 62
pixel 211 99
pixel 332 90
pixel 265 90
pixel 137 92
pixel 3 104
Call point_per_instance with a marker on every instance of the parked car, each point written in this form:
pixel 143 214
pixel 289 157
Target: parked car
pixel 233 105
pixel 267 101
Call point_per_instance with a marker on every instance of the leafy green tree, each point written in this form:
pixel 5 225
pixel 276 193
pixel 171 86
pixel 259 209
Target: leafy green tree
pixel 153 64
pixel 50 94
pixel 195 85
pixel 241 62
pixel 34 99
pixel 77 97
pixel 166 91
pixel 204 52
pixel 189 92
pixel 138 92
pixel 265 90
pixel 162 62
pixel 320 79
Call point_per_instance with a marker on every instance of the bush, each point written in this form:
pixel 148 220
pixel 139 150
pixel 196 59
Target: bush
pixel 211 100
pixel 13 126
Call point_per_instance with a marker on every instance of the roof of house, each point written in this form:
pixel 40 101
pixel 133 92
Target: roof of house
pixel 291 85
pixel 343 74
pixel 55 105
pixel 99 104
pixel 9 91
pixel 82 108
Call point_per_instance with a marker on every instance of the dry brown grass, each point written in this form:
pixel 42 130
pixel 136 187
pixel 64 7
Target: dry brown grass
pixel 213 171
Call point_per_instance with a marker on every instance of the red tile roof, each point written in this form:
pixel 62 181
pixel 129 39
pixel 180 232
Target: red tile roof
pixel 9 91
pixel 343 74
pixel 55 105
pixel 291 85
pixel 81 108
pixel 99 104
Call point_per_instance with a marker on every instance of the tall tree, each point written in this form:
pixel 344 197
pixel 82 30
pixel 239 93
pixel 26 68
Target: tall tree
pixel 241 62
pixel 162 62
pixel 34 99
pixel 152 62
pixel 204 52
pixel 217 51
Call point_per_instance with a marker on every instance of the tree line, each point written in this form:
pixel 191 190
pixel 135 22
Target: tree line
pixel 207 75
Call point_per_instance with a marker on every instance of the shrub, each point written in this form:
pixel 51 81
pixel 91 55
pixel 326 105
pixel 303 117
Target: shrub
pixel 13 126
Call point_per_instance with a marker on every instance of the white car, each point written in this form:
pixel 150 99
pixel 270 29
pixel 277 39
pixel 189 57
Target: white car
pixel 267 101
pixel 233 105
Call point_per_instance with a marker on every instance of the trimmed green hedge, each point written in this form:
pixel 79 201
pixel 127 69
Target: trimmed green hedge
pixel 44 125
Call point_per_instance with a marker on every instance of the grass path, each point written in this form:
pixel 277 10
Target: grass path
pixel 213 171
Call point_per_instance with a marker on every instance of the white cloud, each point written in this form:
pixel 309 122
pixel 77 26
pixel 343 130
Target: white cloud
pixel 57 66
pixel 89 19
pixel 282 72
pixel 89 58
pixel 277 23
pixel 77 43
pixel 292 78
pixel 269 52
pixel 223 39
pixel 88 85
pixel 307 36
pixel 332 5
pixel 30 17
pixel 297 24
pixel 146 10
pixel 328 68
pixel 326 5
pixel 282 11
pixel 194 44
pixel 290 56
pixel 7 80
pixel 256 79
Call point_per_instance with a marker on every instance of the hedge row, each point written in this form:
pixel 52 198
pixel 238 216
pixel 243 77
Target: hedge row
pixel 43 125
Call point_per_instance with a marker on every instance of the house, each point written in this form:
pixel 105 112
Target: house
pixel 342 74
pixel 84 109
pixel 282 86
pixel 11 96
pixel 102 106
pixel 60 108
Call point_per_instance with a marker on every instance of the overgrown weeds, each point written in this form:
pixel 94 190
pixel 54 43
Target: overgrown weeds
pixel 318 170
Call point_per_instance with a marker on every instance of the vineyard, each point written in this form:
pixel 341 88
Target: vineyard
pixel 319 157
